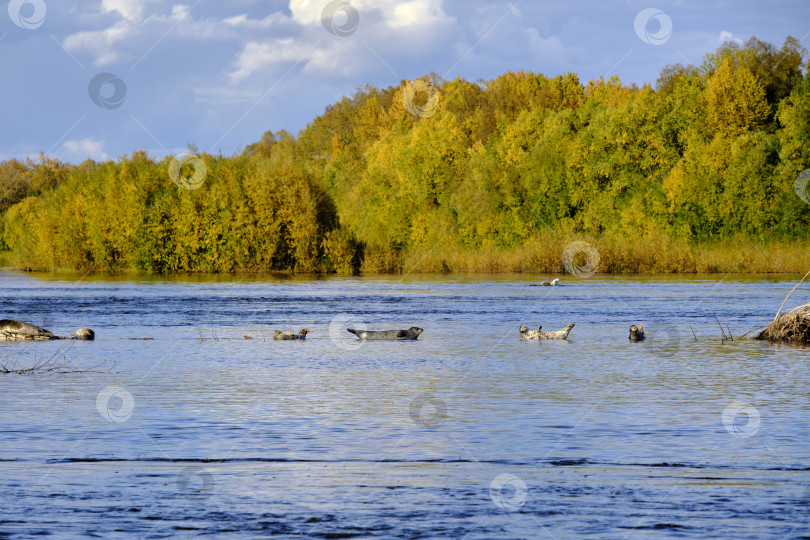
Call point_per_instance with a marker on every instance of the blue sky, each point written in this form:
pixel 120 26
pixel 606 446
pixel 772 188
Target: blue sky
pixel 166 74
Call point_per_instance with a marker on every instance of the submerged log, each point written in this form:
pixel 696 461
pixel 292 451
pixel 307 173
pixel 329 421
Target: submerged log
pixel 790 327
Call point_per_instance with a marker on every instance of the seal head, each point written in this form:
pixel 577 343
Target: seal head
pixel 84 334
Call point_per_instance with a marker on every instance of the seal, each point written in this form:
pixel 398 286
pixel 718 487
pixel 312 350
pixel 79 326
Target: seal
pixel 11 330
pixel 411 333
pixel 553 283
pixel 84 334
pixel 536 335
pixel 526 334
pixel 637 333
pixel 287 336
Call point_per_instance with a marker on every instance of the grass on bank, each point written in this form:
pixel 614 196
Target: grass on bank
pixel 617 256
pixel 544 255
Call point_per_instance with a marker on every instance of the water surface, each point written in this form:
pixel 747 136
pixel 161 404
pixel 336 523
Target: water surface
pixel 467 432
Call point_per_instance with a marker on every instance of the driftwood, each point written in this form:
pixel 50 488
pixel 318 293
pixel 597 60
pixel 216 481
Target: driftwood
pixel 790 327
pixel 536 335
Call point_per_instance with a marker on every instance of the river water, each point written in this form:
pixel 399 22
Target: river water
pixel 172 423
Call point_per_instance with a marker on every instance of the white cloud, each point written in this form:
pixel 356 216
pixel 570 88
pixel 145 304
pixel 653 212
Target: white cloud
pixel 403 38
pixel 85 148
pixel 271 42
pixel 256 56
pixel 131 10
pixel 418 13
pixel 142 23
pixel 120 41
pixel 728 36
pixel 389 29
pixel 395 13
pixel 101 43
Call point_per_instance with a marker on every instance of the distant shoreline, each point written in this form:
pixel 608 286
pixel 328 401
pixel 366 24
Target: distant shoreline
pixel 708 172
pixel 553 256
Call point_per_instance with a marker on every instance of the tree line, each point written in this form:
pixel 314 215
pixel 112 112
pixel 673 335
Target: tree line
pixel 412 177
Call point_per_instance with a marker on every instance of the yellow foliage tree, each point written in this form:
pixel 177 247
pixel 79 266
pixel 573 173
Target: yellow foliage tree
pixel 735 100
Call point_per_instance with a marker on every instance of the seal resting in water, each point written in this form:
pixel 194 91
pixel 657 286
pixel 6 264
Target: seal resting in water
pixel 411 333
pixel 527 334
pixel 553 283
pixel 637 333
pixel 534 335
pixel 286 336
pixel 11 330
pixel 84 334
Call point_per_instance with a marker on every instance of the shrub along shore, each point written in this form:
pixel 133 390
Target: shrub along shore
pixel 696 174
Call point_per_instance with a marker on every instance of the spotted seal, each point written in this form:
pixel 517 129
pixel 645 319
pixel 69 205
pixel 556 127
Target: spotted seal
pixel 553 283
pixel 637 333
pixel 535 335
pixel 411 333
pixel 287 336
pixel 84 334
pixel 11 330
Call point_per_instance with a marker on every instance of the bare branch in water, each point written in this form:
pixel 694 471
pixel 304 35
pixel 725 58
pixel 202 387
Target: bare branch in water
pixel 55 363
pixel 722 331
pixel 788 296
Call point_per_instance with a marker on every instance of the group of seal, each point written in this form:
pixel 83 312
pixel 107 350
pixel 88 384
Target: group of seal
pixel 412 333
pixel 363 335
pixel 12 330
pixel 278 335
pixel 636 333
